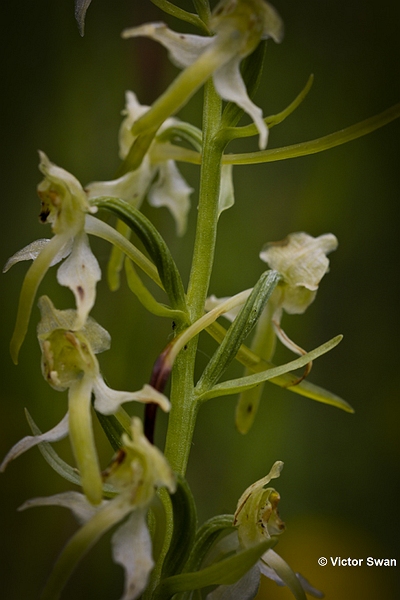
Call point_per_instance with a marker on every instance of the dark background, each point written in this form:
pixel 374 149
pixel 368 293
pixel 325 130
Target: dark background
pixel 63 94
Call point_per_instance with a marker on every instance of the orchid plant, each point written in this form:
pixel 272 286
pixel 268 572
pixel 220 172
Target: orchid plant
pixel 143 490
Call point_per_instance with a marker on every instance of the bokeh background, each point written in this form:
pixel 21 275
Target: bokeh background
pixel 340 486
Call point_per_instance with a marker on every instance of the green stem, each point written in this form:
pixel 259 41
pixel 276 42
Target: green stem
pixel 184 407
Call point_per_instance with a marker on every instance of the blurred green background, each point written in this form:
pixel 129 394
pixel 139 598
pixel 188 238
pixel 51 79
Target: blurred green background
pixel 340 486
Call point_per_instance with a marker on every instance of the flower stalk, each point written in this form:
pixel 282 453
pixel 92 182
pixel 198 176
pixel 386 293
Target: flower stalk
pixel 184 407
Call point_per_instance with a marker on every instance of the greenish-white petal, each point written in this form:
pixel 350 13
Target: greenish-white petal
pixel 108 401
pixel 81 272
pixel 82 510
pixel 285 573
pixel 131 548
pixel 52 318
pixel 106 517
pixel 55 434
pixel 171 190
pixel 132 112
pixel 230 86
pixel 308 588
pixel 245 588
pixel 301 260
pixel 32 251
pixel 81 7
pixel 183 49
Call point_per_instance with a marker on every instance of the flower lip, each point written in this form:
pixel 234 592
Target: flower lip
pixel 302 262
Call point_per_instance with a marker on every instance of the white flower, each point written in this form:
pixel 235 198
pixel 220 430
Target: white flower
pixel 69 362
pixel 64 206
pixel 139 469
pixel 160 181
pixel 239 26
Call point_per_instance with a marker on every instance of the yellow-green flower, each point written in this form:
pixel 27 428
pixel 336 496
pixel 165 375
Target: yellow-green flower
pixel 69 363
pixel 257 519
pixel 64 207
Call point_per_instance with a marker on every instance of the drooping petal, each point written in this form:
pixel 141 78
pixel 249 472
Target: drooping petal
pixel 82 510
pixel 230 86
pixel 308 588
pixel 80 272
pixel 171 190
pixel 55 434
pixel 108 515
pixel 131 547
pixel 183 49
pixel 108 401
pixel 82 438
pixel 270 573
pixel 81 7
pixel 32 251
pixel 212 54
pixel 285 573
pixel 244 589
